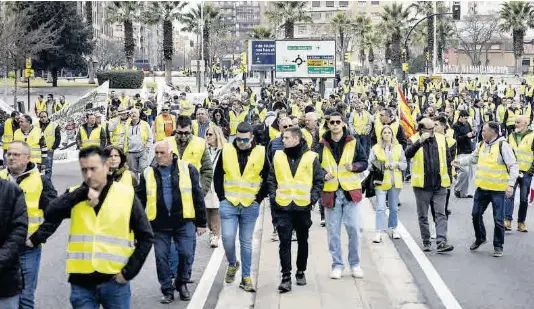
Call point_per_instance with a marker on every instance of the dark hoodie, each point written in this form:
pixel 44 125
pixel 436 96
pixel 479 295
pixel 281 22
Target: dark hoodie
pixel 294 155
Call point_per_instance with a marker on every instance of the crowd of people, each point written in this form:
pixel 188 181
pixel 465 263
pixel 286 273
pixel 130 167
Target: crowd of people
pixel 216 163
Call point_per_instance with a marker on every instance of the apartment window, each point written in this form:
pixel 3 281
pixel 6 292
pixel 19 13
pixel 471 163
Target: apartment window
pixel 495 46
pixel 329 4
pixel 301 29
pixel 343 4
pixel 328 15
pixel 362 3
pixel 316 4
pixel 316 15
pixel 375 2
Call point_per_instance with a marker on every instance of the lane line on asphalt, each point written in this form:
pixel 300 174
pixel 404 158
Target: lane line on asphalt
pixel 443 292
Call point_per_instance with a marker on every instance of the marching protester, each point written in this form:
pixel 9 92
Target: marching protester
pixel 174 201
pixel 240 182
pixel 464 134
pixel 109 237
pixel 33 136
pixel 117 127
pixel 137 142
pixel 11 125
pixel 201 123
pixel 215 141
pixel 90 133
pixel 118 168
pixel 52 134
pixel 295 183
pixel 164 124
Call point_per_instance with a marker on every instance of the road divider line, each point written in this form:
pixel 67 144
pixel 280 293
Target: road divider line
pixel 443 292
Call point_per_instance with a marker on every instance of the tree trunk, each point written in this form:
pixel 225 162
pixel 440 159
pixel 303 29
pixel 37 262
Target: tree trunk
pixel 129 44
pixel 289 30
pixel 91 71
pixel 371 68
pixel 54 77
pixel 430 40
pixel 167 49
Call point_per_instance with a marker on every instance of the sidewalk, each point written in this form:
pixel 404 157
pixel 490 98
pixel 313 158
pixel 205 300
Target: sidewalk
pixel 387 281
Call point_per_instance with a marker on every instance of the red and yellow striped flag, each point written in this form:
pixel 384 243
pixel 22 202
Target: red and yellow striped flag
pixel 405 115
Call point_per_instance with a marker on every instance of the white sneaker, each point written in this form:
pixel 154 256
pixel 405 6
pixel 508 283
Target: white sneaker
pixel 357 272
pixel 214 241
pixel 395 234
pixel 336 273
pixel 378 238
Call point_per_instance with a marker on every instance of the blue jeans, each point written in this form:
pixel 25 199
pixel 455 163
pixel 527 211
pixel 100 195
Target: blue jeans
pixel 524 190
pixel 111 295
pixel 49 163
pixel 348 213
pixel 482 199
pixel 10 302
pixel 30 259
pixel 173 258
pixel 393 201
pixel 183 237
pixel 233 217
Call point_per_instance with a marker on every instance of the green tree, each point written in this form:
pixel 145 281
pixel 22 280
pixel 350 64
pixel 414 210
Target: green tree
pixel 517 17
pixel 165 13
pixel 89 23
pixel 125 13
pixel 286 14
pixel 394 19
pixel 340 26
pixel 362 27
pixel 427 8
pixel 372 40
pixel 261 33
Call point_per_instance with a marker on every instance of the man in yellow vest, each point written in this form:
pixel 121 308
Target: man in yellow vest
pixel 361 123
pixel 137 142
pixel 237 115
pixel 240 181
pixel 59 105
pixel 40 105
pixel 164 125
pixel 295 184
pixel 109 237
pixel 311 131
pixel 201 123
pixel 125 101
pixel 90 133
pixel 522 142
pixel 52 134
pixel 342 159
pixel 117 127
pixel 38 192
pixel 186 108
pixel 175 214
pixel 10 126
pixel 495 179
pixel 33 136
pixel 430 178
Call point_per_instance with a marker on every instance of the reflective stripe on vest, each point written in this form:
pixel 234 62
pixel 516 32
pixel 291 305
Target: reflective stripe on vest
pixel 348 180
pixel 101 243
pixel 33 140
pixel 50 135
pixel 117 135
pixel 32 186
pixel 7 138
pixel 242 188
pixel 490 175
pixel 360 124
pixel 184 185
pixel 160 126
pixel 93 139
pixel 418 163
pixel 193 151
pixel 387 183
pixel 523 152
pixel 296 188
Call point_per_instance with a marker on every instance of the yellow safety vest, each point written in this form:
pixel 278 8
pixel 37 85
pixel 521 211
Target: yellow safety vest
pixel 295 110
pixel 235 120
pixel 308 137
pixel 193 151
pixel 273 133
pixel 58 106
pixel 511 117
pixel 186 108
pixel 117 135
pixel 94 138
pixel 50 135
pixel 160 127
pixel 500 112
pixel 40 106
pixel 101 243
pixel 195 125
pixel 348 180
pixel 125 102
pixel 184 185
pixel 418 163
pixel 32 186
pixel 378 129
pixel 451 142
pixel 509 92
pixel 523 151
pixel 360 124
pixel 530 91
pixel 522 89
pixel 126 178
pixel 242 188
pixel 396 152
pixel 33 141
pixel 145 128
pixel 490 174
pixel 7 138
pixel 346 89
pixel 262 114
pixel 296 188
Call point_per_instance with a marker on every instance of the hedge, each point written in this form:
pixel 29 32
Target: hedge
pixel 121 79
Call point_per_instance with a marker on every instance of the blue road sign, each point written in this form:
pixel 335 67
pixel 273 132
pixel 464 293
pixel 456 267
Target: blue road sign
pixel 263 54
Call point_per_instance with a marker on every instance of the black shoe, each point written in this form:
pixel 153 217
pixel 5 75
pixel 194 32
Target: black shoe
pixel 167 299
pixel 190 281
pixel 457 194
pixel 285 285
pixel 427 247
pixel 469 196
pixel 477 244
pixel 184 292
pixel 444 247
pixel 300 278
pixel 497 252
pixel 449 212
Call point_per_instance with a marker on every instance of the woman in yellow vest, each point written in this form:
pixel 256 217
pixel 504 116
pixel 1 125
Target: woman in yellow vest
pixel 118 168
pixel 388 156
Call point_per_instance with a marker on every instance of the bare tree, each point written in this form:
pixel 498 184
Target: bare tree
pixel 108 53
pixel 476 35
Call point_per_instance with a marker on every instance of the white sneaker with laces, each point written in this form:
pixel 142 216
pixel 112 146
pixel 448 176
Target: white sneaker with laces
pixel 336 273
pixel 378 238
pixel 395 234
pixel 357 272
pixel 214 241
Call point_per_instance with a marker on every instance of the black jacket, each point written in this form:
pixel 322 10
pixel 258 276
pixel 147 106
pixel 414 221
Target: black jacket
pixel 464 144
pixel 168 222
pixel 242 159
pixel 294 155
pixel 60 209
pixel 13 230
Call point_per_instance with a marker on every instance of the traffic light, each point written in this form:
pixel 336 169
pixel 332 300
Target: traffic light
pixel 347 57
pixel 456 10
pixel 427 56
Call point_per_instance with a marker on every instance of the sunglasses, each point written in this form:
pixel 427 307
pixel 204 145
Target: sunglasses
pixel 333 122
pixel 285 127
pixel 209 134
pixel 242 140
pixel 183 132
pixel 164 110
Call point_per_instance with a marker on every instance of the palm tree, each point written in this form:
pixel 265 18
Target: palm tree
pixel 261 33
pixel 287 13
pixel 446 37
pixel 166 13
pixel 372 40
pixel 395 17
pixel 362 26
pixel 427 7
pixel 89 23
pixel 340 26
pixel 125 12
pixel 517 17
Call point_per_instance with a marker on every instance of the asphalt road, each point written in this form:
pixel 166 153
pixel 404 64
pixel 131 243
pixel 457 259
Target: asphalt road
pixel 475 278
pixel 53 289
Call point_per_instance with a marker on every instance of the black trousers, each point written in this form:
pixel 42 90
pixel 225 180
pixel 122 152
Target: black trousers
pixel 433 212
pixel 285 223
